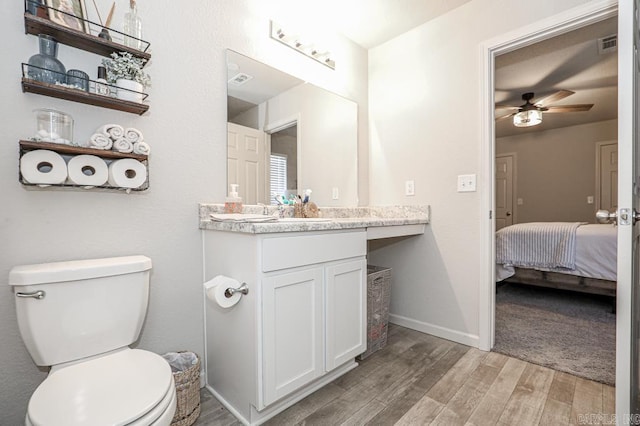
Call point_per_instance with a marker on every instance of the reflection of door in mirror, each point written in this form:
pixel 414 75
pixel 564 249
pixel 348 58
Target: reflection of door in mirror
pixel 246 162
pixel 261 169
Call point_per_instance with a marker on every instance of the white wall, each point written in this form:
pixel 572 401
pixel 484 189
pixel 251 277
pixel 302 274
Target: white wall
pixel 556 171
pixel 424 89
pixel 187 131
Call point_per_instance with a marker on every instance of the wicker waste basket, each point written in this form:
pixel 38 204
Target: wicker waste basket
pixel 378 298
pixel 186 375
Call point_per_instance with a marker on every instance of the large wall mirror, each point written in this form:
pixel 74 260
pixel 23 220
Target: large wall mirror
pixel 286 136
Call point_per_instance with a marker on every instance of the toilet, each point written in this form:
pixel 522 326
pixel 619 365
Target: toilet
pixel 79 318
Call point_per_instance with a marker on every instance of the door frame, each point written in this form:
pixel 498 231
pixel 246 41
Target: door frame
pixel 552 26
pixel 514 182
pixel 285 123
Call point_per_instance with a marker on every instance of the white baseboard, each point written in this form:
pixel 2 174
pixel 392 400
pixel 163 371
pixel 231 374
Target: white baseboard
pixel 436 330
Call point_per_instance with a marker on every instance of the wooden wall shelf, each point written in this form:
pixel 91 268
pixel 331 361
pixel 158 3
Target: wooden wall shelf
pixel 90 43
pixel 78 150
pixel 33 86
pixel 26 146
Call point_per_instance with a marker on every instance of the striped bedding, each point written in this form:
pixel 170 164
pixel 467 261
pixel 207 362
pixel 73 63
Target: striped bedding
pixel 549 245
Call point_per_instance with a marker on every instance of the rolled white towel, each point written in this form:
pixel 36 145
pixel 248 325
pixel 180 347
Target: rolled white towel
pixel 141 148
pixel 100 141
pixel 122 145
pixel 133 135
pixel 114 131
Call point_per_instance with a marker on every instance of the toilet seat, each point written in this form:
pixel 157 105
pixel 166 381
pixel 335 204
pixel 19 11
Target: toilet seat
pixel 128 387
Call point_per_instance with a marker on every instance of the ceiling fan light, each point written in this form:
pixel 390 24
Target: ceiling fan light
pixel 528 118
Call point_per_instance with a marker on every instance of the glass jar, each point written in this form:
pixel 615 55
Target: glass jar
pixel 45 66
pixel 78 79
pixel 53 126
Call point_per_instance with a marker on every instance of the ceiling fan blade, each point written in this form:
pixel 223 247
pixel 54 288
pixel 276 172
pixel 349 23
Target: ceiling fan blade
pixel 554 97
pixel 507 107
pixel 501 117
pixel 568 108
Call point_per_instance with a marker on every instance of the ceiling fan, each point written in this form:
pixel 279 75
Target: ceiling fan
pixel 530 113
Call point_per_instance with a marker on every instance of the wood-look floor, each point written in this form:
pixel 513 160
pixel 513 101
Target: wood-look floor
pixel 418 379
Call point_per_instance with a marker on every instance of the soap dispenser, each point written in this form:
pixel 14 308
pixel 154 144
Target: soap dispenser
pixel 233 203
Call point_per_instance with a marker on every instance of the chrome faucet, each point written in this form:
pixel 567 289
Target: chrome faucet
pixel 265 209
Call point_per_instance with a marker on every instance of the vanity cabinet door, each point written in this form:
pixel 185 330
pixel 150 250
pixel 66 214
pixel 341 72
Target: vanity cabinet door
pixel 346 312
pixel 293 315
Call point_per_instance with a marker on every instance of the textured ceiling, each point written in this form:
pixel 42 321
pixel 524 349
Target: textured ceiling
pixel 372 22
pixel 369 23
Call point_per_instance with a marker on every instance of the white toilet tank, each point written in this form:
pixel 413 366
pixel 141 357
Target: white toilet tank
pixel 87 307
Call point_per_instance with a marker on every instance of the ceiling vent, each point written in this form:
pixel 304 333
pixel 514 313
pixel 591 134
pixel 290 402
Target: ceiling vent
pixel 608 44
pixel 240 79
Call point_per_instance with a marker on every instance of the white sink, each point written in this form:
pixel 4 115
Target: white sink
pixel 304 219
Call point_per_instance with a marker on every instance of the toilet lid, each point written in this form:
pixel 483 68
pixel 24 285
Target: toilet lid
pixel 112 390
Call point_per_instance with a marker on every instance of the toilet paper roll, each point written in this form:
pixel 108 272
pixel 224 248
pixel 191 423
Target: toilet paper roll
pixel 87 170
pixel 216 288
pixel 43 167
pixel 127 173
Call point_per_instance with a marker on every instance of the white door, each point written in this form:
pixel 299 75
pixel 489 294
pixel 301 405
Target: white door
pixel 504 191
pixel 293 331
pixel 346 312
pixel 246 162
pixel 607 176
pixel 628 293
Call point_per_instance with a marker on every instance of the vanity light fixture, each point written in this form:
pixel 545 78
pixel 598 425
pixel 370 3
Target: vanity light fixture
pixel 297 43
pixel 527 118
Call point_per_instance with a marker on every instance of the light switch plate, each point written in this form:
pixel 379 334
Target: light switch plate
pixel 466 183
pixel 335 193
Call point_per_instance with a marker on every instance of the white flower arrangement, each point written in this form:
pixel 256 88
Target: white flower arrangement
pixel 125 65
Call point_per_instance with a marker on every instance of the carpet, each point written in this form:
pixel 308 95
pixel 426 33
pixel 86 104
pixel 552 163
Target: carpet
pixel 563 330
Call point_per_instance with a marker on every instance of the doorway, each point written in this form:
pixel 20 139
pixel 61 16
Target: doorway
pixel 553 26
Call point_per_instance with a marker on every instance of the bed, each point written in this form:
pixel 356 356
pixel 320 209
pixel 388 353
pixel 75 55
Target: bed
pixel 566 255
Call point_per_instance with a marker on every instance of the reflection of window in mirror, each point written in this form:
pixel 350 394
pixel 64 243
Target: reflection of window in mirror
pixel 278 176
pixel 284 142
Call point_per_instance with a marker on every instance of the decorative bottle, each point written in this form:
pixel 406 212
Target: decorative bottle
pixel 45 66
pixel 102 87
pixel 132 27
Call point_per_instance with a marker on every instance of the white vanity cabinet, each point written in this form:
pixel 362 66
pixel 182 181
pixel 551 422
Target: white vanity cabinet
pixel 293 331
pixel 301 325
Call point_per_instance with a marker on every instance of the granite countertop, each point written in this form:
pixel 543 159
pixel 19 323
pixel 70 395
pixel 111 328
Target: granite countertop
pixel 341 218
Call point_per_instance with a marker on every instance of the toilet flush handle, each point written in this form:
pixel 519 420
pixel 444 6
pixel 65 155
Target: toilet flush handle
pixel 34 294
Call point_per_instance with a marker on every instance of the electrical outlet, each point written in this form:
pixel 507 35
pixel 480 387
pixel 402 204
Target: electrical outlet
pixel 335 193
pixel 590 199
pixel 409 188
pixel 466 183
pixel 520 201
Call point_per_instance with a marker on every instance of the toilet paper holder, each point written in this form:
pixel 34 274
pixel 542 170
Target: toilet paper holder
pixel 243 289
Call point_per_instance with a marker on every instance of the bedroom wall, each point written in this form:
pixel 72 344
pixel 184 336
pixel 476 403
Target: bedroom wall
pixel 425 125
pixel 556 171
pixel 186 128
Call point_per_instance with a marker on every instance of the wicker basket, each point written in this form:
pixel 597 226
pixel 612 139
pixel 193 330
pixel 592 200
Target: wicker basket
pixel 378 298
pixel 187 395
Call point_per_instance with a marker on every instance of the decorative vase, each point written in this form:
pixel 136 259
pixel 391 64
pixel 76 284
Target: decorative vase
pixel 45 66
pixel 132 27
pixel 32 6
pixel 129 90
